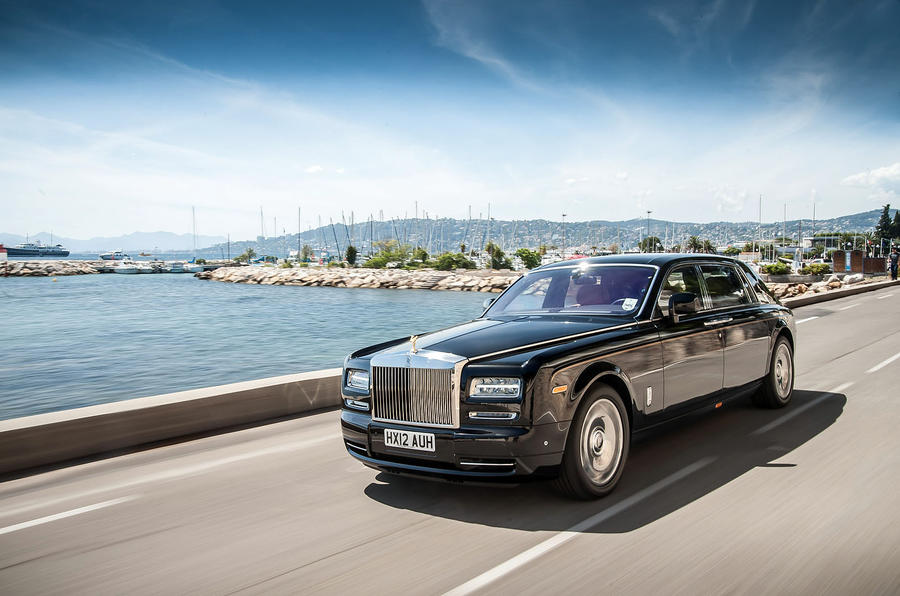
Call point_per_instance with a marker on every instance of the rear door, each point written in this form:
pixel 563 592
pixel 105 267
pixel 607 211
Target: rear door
pixel 692 348
pixel 745 327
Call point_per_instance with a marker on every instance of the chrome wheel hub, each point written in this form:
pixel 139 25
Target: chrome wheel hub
pixel 784 371
pixel 602 437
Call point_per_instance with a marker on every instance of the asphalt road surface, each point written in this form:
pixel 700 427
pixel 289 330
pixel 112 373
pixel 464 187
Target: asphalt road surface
pixel 804 500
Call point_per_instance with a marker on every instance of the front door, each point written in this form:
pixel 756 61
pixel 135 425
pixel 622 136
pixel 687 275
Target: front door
pixel 692 348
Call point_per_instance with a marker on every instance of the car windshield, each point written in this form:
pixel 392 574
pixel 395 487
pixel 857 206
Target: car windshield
pixel 589 289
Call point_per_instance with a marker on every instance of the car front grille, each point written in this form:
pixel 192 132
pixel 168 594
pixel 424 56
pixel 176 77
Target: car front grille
pixel 417 396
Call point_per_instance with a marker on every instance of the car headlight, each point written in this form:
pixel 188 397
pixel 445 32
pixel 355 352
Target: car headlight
pixel 358 379
pixel 497 387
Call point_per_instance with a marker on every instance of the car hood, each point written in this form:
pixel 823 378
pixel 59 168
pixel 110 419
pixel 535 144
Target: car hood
pixel 488 336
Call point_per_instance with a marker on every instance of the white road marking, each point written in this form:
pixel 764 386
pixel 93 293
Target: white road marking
pixel 797 411
pixel 523 558
pixel 177 472
pixel 65 514
pixel 849 306
pixel 881 365
pixel 807 319
pixel 885 296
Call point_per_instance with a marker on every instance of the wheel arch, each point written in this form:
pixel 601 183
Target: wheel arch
pixel 608 374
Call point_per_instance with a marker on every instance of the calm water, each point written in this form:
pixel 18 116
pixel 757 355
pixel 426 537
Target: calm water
pixel 92 339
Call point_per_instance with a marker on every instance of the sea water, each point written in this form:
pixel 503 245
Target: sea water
pixel 91 339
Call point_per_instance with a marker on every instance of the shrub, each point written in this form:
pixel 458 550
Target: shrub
pixel 777 269
pixel 449 261
pixel 286 265
pixel 332 264
pixel 376 263
pixel 816 269
pixel 200 261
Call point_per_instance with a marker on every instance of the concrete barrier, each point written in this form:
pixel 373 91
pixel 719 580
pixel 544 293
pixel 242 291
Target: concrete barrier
pixel 45 439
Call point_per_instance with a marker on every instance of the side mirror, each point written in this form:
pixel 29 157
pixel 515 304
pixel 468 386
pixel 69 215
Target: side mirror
pixel 487 303
pixel 682 303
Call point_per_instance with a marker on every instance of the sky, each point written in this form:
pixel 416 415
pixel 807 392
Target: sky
pixel 118 117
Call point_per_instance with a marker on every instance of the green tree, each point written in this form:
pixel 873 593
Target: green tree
pixel 895 227
pixel 885 228
pixel 530 258
pixel 498 257
pixel 708 247
pixel 651 244
pixel 694 244
pixel 350 255
pixel 732 251
pixel 749 246
pixel 420 255
pixel 306 253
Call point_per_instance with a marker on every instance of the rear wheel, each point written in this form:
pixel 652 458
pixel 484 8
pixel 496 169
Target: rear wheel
pixel 778 386
pixel 597 446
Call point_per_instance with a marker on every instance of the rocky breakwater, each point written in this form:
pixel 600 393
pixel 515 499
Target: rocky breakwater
pixel 397 279
pixel 831 282
pixel 46 268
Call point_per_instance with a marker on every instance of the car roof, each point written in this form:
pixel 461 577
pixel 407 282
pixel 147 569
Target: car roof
pixel 658 259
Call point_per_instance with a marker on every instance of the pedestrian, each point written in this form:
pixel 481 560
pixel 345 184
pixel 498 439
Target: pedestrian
pixel 894 258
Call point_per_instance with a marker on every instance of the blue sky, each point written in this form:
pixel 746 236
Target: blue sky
pixel 118 116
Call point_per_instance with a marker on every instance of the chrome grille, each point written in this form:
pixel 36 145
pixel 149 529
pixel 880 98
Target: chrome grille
pixel 417 396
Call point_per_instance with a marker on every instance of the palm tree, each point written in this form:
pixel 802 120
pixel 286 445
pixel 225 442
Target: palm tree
pixel 694 244
pixel 708 247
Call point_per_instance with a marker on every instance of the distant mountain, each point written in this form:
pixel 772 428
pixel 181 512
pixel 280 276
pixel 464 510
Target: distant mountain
pixel 437 235
pixel 134 242
pixel 447 234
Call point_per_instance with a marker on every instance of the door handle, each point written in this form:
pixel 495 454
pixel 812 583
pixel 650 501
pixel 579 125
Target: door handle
pixel 718 321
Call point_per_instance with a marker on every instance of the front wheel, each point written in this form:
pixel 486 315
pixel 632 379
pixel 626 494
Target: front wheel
pixel 778 386
pixel 597 446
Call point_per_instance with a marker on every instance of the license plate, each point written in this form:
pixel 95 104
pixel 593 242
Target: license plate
pixel 405 439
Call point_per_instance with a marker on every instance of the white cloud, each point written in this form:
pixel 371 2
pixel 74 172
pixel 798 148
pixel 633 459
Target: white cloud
pixel 884 182
pixel 314 169
pixel 456 30
pixel 622 175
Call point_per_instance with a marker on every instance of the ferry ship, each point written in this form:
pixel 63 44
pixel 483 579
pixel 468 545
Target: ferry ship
pixel 36 249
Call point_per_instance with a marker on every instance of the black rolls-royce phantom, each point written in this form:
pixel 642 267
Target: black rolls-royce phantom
pixel 564 366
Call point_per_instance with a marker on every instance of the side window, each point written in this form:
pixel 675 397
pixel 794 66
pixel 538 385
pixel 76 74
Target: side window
pixel 683 279
pixel 724 286
pixel 759 288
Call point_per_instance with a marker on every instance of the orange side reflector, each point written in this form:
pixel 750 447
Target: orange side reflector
pixel 718 405
pixel 560 388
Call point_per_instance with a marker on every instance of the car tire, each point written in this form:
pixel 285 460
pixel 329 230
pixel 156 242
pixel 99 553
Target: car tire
pixel 597 446
pixel 778 385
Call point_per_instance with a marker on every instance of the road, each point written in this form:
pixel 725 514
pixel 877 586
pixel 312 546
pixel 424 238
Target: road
pixel 802 500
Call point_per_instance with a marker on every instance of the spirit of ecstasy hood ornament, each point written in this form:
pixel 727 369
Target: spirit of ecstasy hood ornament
pixel 412 340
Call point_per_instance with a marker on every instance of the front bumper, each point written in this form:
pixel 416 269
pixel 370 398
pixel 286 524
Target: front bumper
pixel 473 452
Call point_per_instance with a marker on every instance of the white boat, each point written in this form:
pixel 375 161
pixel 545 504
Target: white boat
pixel 192 268
pixel 144 267
pixel 128 267
pixel 175 267
pixel 116 255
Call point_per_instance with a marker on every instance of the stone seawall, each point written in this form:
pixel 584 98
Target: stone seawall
pixel 47 268
pixel 398 279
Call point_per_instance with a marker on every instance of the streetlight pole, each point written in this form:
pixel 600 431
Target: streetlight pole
pixel 564 235
pixel 648 230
